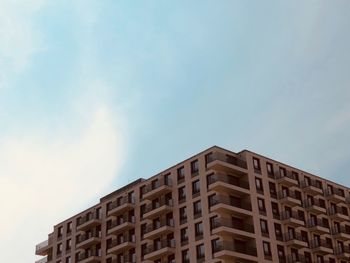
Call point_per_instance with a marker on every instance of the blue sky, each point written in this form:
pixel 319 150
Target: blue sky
pixel 117 90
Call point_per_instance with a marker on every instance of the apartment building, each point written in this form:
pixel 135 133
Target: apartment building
pixel 217 206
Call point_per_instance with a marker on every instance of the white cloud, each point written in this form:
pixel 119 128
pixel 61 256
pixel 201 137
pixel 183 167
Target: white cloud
pixel 19 37
pixel 42 181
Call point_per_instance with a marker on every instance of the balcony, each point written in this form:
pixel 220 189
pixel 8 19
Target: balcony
pixel 227 251
pixel 223 182
pixel 337 213
pixel 119 226
pixel 321 247
pixel 119 207
pixel 292 219
pixel 335 195
pixel 314 206
pixel 157 188
pixel 317 226
pixel 163 248
pixel 295 240
pixel 341 233
pixel 227 227
pixel 226 163
pixel 342 252
pixel 163 228
pixel 89 258
pixel 43 248
pixel 118 246
pixel 312 187
pixel 288 179
pixel 88 221
pixel 288 198
pixel 86 240
pixel 159 208
pixel 225 204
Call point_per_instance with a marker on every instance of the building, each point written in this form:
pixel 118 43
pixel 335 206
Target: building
pixel 217 206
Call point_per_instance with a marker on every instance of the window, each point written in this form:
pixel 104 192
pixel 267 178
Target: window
pixel 256 164
pixel 182 194
pixel 68 260
pixel 194 167
pixel 215 245
pixel 259 186
pixel 264 227
pixel 68 244
pixel 183 215
pixel 142 191
pixel 198 227
pixel 180 174
pixel 261 205
pixel 69 227
pixel 269 168
pixel 59 249
pixel 200 251
pixel 197 209
pixel 278 231
pixel 185 256
pixel 267 248
pixel 280 252
pixel 59 232
pixel 184 236
pixel 208 158
pixel 283 172
pixel 275 210
pixel 195 187
pixel 143 250
pixel 272 187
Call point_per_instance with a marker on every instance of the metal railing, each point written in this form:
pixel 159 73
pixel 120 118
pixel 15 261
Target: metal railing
pixel 87 236
pixel 337 210
pixel 155 185
pixel 227 159
pixel 316 222
pixel 124 219
pixel 162 202
pixel 218 222
pixel 162 244
pixel 313 202
pixel 288 236
pixel 218 177
pixel 340 229
pixel 159 224
pixel 219 199
pixel 287 215
pixel 120 202
pixel 283 194
pixel 315 243
pixel 329 192
pixel 87 218
pixel 311 182
pixel 124 239
pixel 227 245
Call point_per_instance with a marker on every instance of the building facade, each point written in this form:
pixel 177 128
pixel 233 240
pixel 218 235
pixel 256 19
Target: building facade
pixel 217 206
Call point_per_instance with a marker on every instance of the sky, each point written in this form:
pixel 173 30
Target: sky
pixel 96 94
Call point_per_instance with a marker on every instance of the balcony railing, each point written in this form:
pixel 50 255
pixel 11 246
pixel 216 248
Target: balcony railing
pixel 312 183
pixel 43 260
pixel 316 222
pixel 117 222
pixel 219 199
pixel 117 242
pixel 123 201
pixel 87 236
pixel 227 159
pixel 313 202
pixel 219 222
pixel 158 225
pixel 315 243
pixel 288 174
pixel 341 250
pixel 337 210
pixel 293 236
pixel 155 185
pixel 284 194
pixel 337 192
pixel 340 230
pixel 42 245
pixel 227 179
pixel 288 215
pixel 160 245
pixel 230 246
pixel 87 218
pixel 162 202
